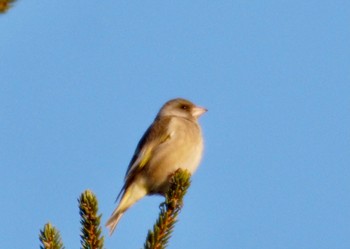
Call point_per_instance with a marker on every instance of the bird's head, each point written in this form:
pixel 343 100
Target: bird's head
pixel 181 108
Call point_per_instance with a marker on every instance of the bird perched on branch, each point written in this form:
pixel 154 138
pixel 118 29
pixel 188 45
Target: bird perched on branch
pixel 174 140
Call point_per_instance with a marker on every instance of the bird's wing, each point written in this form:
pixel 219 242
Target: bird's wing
pixel 155 135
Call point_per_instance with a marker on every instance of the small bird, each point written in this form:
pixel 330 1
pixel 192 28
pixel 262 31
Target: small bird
pixel 174 140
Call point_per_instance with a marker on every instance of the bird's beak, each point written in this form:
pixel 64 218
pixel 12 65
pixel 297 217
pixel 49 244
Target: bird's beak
pixel 198 111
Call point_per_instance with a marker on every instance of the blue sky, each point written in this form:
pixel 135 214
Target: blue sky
pixel 81 81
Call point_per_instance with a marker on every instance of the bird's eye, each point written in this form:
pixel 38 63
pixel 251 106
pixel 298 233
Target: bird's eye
pixel 184 107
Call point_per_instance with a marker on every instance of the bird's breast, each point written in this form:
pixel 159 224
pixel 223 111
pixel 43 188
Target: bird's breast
pixel 182 150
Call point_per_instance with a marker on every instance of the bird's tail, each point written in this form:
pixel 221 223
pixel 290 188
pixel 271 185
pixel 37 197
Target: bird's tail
pixel 132 194
pixel 113 220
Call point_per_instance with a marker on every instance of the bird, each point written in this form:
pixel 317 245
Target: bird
pixel 173 141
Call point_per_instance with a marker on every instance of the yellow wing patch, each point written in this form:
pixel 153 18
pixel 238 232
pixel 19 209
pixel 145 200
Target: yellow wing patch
pixel 145 158
pixel 148 153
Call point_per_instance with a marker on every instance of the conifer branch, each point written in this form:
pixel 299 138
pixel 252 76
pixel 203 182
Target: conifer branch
pixel 169 210
pixel 5 5
pixel 50 238
pixel 91 229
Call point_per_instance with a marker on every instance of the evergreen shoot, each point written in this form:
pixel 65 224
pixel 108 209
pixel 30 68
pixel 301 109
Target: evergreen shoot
pixel 5 5
pixel 169 210
pixel 50 238
pixel 91 237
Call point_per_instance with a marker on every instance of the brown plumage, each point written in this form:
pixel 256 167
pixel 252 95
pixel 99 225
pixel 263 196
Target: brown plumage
pixel 173 141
